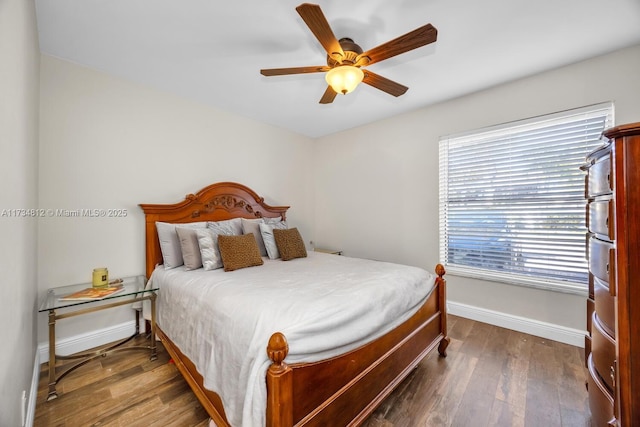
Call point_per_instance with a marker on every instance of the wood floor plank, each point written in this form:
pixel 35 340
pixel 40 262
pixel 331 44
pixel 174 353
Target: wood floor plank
pixel 512 385
pixel 574 418
pixel 477 401
pixel 505 415
pixel 475 339
pixel 544 366
pixel 571 380
pixel 450 390
pixel 491 377
pixel 542 407
pixel 460 329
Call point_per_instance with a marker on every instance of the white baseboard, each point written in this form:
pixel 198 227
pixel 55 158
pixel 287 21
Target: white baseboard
pixel 88 340
pixel 521 324
pixel 33 393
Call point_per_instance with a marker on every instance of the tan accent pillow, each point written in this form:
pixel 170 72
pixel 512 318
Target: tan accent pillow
pixel 190 249
pixel 239 251
pixel 289 243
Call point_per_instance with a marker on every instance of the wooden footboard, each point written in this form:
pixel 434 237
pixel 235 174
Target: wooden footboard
pixel 343 390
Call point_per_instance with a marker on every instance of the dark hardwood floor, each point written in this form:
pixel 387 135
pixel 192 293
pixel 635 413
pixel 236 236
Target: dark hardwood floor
pixel 491 377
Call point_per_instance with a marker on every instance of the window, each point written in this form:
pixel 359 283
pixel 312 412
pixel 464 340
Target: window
pixel 512 205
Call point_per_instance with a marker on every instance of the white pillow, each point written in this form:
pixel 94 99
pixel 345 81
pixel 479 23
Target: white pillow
pixel 273 220
pixel 209 251
pixel 266 230
pixel 170 244
pixel 229 227
pixel 208 240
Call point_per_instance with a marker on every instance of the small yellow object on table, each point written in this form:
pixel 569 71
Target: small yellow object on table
pixel 100 277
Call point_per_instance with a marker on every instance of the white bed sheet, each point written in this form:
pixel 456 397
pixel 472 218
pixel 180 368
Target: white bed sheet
pixel 324 304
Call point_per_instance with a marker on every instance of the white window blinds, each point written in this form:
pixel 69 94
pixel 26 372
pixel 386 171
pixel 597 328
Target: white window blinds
pixel 512 205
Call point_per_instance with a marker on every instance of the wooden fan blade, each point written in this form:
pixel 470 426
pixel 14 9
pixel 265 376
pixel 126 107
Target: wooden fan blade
pixel 294 70
pixel 314 18
pixel 329 96
pixel 384 84
pixel 417 38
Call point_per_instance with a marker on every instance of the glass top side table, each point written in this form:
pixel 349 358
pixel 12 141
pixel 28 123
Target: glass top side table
pixel 133 291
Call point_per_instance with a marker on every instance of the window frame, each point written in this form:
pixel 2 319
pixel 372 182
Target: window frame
pixel 490 135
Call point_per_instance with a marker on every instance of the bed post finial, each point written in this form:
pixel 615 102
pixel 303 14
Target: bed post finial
pixel 440 271
pixel 279 384
pixel 278 348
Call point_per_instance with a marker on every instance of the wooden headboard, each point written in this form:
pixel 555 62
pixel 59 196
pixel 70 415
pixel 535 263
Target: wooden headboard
pixel 217 202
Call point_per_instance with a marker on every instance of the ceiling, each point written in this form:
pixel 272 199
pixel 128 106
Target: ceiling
pixel 211 51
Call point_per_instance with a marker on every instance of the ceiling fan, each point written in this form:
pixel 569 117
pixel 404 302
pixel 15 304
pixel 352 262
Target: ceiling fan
pixel 345 58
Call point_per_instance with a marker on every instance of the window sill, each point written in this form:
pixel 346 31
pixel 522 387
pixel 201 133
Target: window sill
pixel 547 285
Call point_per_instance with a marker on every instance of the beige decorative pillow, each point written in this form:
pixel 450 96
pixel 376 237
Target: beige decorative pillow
pixel 170 243
pixel 253 226
pixel 239 251
pixel 190 248
pixel 290 243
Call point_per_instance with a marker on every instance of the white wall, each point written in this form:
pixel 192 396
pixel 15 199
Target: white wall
pixel 108 143
pixel 19 57
pixel 377 185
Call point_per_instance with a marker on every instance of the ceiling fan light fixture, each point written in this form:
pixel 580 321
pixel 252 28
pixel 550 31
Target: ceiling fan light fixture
pixel 345 57
pixel 344 79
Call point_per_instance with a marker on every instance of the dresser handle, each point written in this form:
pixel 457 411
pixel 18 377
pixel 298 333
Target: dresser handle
pixel 613 374
pixel 611 271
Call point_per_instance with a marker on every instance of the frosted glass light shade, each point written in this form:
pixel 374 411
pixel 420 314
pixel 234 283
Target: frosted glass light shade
pixel 344 79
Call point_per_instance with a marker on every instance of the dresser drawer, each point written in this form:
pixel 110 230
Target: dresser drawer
pixel 600 399
pixel 587 338
pixel 603 352
pixel 587 349
pixel 600 255
pixel 604 306
pixel 600 218
pixel 599 177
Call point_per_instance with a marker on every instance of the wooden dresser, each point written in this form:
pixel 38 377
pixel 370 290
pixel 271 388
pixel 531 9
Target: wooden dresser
pixel 612 347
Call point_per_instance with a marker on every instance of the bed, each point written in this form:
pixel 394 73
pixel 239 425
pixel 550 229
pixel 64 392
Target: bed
pixel 342 388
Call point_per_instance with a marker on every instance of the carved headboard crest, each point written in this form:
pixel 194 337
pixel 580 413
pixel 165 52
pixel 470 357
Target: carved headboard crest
pixel 217 202
pixel 226 202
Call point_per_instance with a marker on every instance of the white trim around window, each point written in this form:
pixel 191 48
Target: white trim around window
pixel 512 205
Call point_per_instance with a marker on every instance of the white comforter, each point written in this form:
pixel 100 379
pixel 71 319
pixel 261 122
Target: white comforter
pixel 324 304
